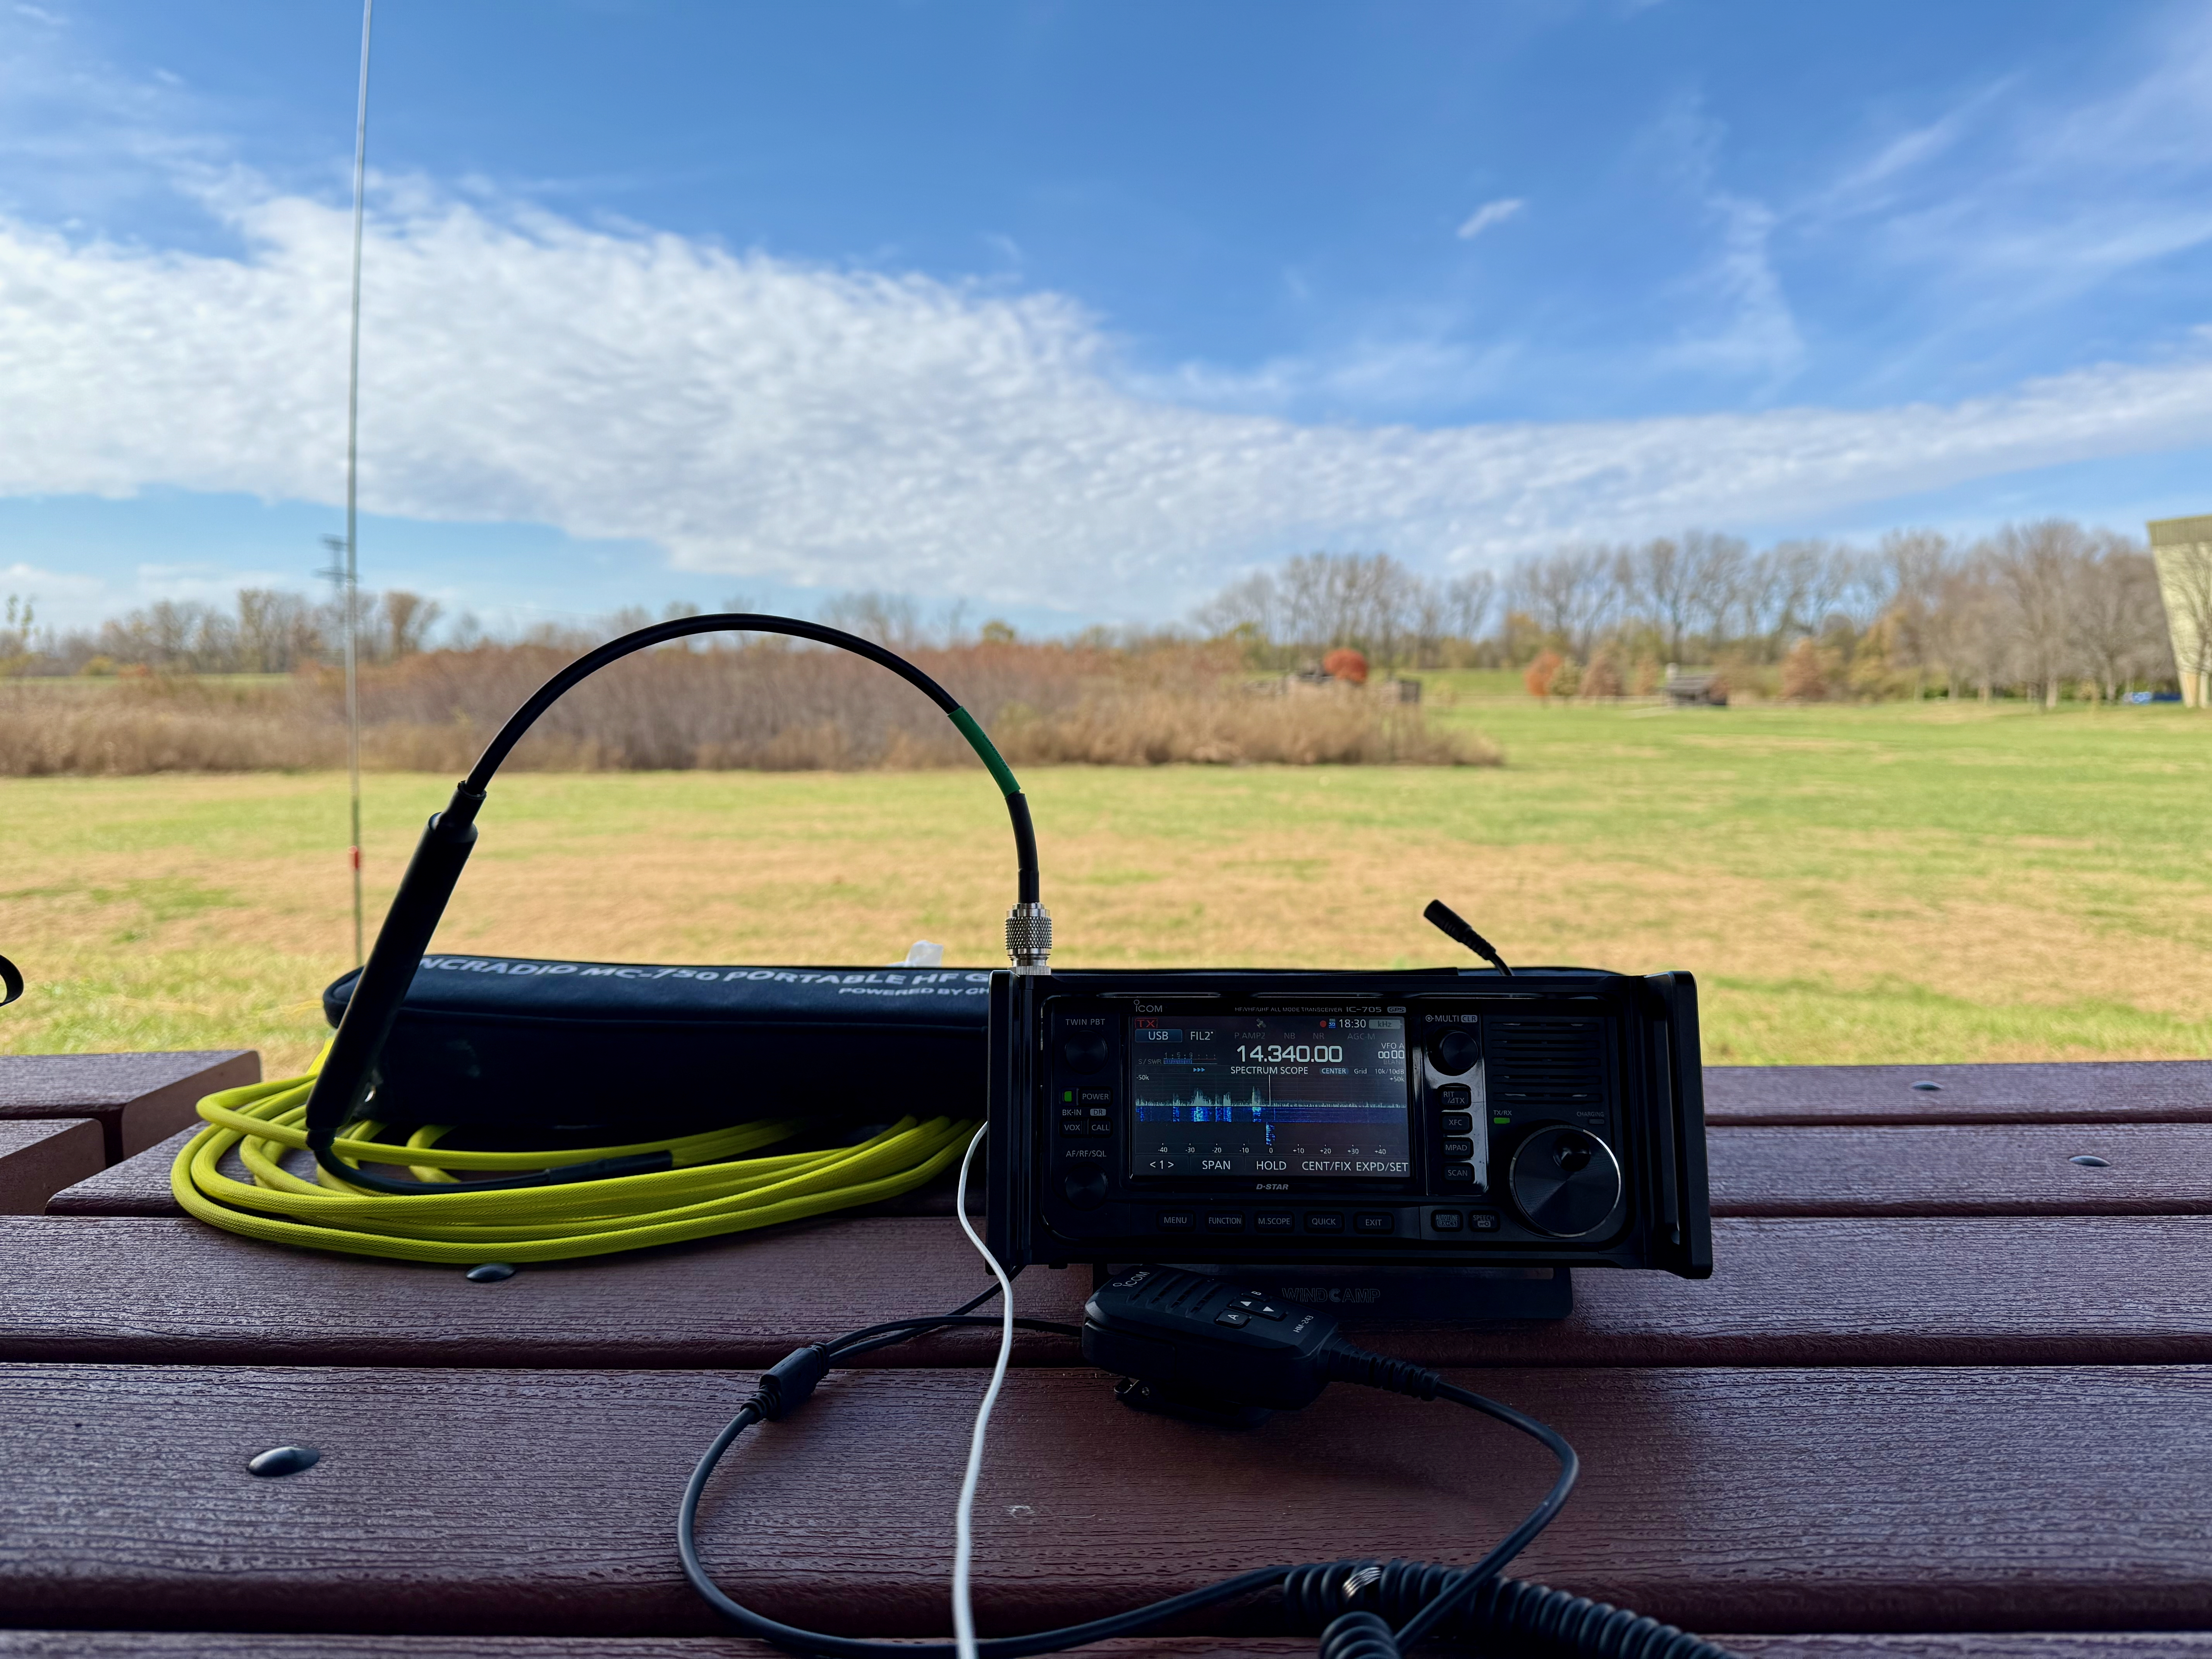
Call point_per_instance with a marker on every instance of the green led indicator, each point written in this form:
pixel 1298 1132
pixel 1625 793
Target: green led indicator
pixel 1501 1120
pixel 1067 1094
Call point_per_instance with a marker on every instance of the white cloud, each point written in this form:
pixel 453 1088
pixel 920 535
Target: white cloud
pixel 1490 214
pixel 765 418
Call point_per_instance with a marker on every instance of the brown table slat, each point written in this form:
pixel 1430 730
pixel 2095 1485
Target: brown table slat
pixel 540 1501
pixel 196 1644
pixel 1809 1171
pixel 1962 1292
pixel 137 1099
pixel 2101 1091
pixel 1996 1169
pixel 39 1158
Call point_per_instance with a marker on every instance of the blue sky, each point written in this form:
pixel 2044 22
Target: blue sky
pixel 1072 312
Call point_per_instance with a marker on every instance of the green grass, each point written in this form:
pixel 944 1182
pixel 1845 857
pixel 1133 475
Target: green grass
pixel 1880 884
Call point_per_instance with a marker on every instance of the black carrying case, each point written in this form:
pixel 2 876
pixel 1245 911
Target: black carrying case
pixel 519 1043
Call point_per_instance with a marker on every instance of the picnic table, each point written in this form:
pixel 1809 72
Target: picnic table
pixel 1946 1392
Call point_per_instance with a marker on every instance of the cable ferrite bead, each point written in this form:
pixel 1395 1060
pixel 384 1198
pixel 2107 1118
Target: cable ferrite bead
pixel 1358 1636
pixel 787 1385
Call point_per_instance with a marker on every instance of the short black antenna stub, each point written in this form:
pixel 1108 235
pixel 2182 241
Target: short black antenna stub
pixel 1454 927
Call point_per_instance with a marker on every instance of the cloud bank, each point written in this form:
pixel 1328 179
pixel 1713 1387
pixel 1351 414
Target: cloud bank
pixel 764 417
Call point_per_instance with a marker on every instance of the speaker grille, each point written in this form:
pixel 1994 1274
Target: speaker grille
pixel 1547 1062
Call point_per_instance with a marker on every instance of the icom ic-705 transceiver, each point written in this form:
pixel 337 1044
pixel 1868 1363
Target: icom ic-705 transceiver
pixel 1553 1116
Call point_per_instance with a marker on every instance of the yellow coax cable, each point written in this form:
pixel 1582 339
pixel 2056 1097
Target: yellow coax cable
pixel 710 1188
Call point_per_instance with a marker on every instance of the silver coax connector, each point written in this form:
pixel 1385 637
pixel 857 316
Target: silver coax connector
pixel 1029 939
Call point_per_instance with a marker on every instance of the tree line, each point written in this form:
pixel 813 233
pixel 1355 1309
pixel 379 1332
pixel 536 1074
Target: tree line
pixel 267 631
pixel 2031 609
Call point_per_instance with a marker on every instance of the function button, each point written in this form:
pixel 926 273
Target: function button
pixel 1458 1123
pixel 1374 1221
pixel 1234 1317
pixel 1457 1147
pixel 1084 1051
pixel 1175 1221
pixel 1225 1221
pixel 1085 1189
pixel 1094 1097
pixel 1459 1175
pixel 1324 1221
pixel 1483 1221
pixel 1446 1221
pixel 1275 1221
pixel 1455 1096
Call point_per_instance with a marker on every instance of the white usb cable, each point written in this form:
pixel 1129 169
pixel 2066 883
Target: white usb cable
pixel 963 1535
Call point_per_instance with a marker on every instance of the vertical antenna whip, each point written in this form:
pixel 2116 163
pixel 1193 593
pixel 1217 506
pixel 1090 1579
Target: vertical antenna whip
pixel 353 469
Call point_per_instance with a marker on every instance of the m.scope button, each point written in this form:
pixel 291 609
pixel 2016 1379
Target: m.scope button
pixel 1374 1221
pixel 1085 1189
pixel 1275 1221
pixel 1324 1221
pixel 1084 1051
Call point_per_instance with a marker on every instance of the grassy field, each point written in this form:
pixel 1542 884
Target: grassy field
pixel 1880 884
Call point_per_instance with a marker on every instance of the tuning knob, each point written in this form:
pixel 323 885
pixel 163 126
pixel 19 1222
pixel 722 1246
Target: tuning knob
pixel 1454 1052
pixel 1565 1181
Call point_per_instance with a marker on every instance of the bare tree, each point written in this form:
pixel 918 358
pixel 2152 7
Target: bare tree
pixel 1570 593
pixel 1715 566
pixel 2039 571
pixel 2120 626
pixel 1916 563
pixel 1658 583
pixel 889 619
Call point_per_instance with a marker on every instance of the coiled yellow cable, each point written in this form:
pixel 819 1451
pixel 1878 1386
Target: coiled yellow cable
pixel 711 1189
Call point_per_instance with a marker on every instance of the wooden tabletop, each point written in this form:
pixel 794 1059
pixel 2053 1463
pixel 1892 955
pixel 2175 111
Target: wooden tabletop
pixel 1945 1394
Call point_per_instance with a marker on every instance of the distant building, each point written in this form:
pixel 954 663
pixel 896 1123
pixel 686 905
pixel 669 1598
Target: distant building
pixel 2183 548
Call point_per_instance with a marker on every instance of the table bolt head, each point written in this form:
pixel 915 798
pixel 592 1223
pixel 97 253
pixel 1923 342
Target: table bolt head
pixel 283 1460
pixel 491 1272
pixel 2091 1161
pixel 1927 1088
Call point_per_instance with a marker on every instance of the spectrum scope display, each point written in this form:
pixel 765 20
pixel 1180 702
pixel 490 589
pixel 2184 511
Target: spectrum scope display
pixel 1278 1095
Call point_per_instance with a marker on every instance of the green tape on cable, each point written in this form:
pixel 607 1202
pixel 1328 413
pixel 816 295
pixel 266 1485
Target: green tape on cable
pixel 1002 773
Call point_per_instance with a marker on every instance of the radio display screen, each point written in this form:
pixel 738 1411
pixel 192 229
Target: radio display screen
pixel 1296 1096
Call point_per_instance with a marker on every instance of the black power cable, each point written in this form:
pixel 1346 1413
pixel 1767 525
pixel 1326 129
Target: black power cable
pixel 1353 1599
